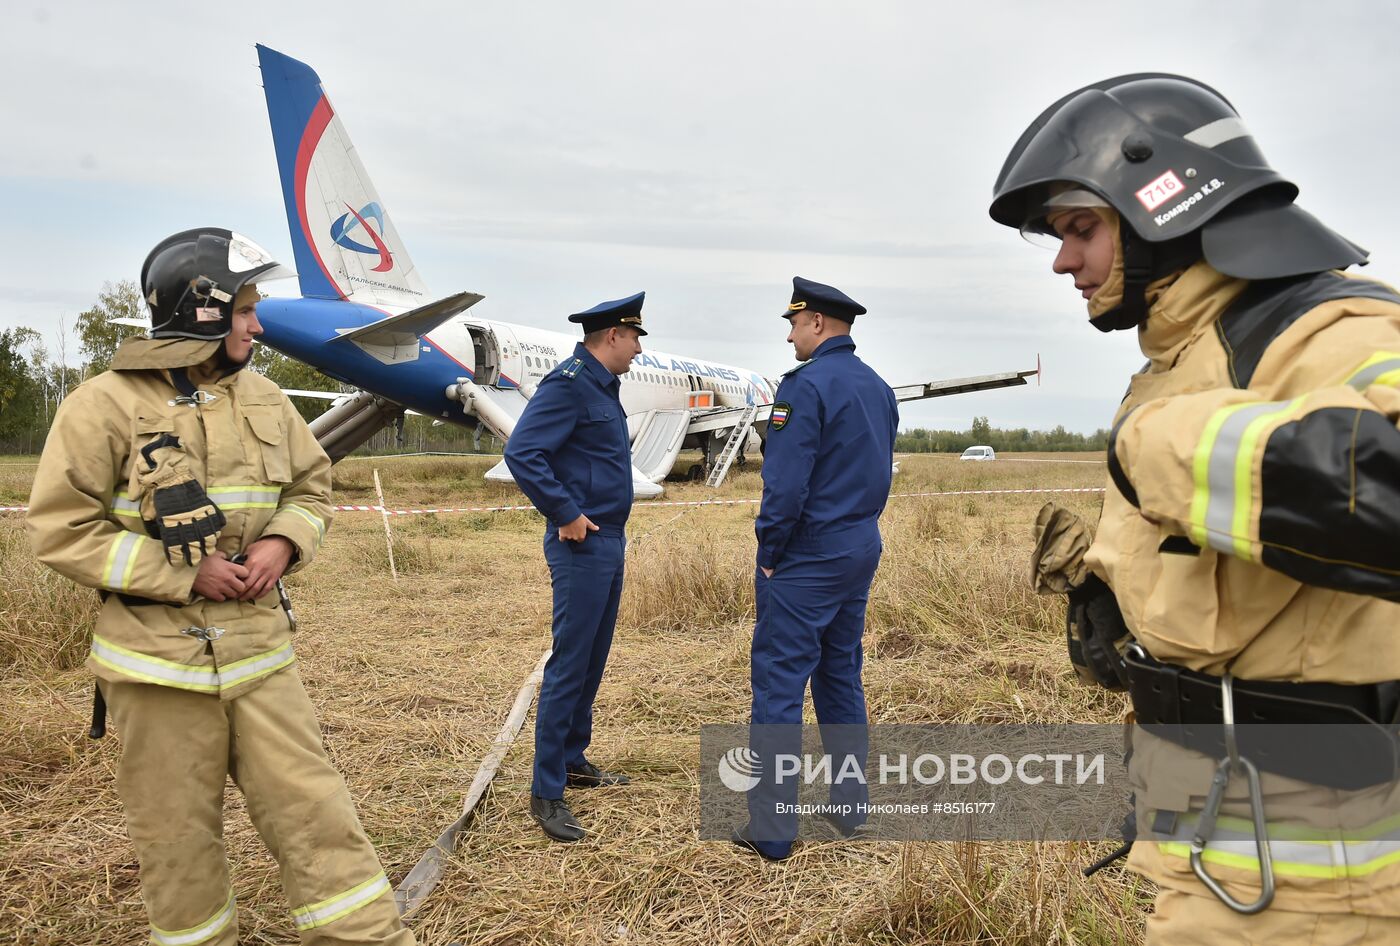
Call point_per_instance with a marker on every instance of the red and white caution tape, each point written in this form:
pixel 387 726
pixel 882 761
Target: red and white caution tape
pixel 695 502
pixel 717 502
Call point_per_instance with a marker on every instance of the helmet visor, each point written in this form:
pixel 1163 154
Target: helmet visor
pixel 1061 197
pixel 245 256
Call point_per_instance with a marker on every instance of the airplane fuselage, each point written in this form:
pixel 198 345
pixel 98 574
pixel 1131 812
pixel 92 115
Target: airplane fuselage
pixel 488 352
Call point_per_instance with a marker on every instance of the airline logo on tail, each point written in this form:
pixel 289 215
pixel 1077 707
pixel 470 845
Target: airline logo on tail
pixel 340 233
pixel 344 239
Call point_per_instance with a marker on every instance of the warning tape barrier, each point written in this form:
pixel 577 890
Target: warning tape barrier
pixel 694 502
pixel 707 502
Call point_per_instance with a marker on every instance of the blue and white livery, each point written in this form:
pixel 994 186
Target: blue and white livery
pixel 366 319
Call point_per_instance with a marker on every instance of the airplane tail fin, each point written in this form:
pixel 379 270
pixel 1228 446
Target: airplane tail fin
pixel 346 246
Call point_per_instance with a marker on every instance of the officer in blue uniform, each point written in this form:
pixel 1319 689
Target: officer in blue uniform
pixel 570 455
pixel 826 477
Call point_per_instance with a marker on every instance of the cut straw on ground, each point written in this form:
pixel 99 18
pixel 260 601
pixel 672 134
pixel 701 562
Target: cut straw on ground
pixel 413 680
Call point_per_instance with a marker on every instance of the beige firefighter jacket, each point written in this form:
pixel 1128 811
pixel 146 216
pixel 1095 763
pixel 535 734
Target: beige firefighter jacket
pixel 256 459
pixel 1287 473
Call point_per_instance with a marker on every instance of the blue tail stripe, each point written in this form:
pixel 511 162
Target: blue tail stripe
pixel 293 91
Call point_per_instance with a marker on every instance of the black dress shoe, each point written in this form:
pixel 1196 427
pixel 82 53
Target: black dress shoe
pixel 556 819
pixel 589 775
pixel 742 838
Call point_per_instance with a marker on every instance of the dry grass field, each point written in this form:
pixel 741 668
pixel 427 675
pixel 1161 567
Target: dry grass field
pixel 413 679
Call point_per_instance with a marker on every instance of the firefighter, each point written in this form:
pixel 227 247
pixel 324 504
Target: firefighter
pixel 183 488
pixel 1246 562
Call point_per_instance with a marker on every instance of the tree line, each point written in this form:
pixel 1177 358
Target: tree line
pixel 35 378
pixel 982 433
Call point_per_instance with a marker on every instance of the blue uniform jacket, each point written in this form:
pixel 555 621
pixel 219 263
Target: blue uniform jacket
pixel 569 452
pixel 830 448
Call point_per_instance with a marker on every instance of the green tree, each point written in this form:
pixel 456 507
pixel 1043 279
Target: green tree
pixel 98 335
pixel 981 430
pixel 21 399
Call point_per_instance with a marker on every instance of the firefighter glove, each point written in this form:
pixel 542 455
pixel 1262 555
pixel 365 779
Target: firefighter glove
pixel 175 506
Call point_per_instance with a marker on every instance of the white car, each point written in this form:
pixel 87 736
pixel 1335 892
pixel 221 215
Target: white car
pixel 978 453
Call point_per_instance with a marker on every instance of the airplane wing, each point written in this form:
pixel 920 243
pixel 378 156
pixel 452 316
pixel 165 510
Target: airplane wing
pixel 660 435
pixel 717 418
pixel 394 340
pixel 318 395
pixel 986 382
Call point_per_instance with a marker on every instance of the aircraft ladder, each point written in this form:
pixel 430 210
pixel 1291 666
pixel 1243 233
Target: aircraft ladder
pixel 732 447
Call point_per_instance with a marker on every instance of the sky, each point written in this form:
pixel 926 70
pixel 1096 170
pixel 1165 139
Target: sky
pixel 554 154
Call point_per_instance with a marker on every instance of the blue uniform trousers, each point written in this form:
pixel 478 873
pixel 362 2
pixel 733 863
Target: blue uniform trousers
pixel 587 580
pixel 810 621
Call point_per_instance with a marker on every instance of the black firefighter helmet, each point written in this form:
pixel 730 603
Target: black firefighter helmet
pixel 190 279
pixel 1186 177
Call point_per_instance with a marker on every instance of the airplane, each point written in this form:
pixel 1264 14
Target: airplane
pixel 366 319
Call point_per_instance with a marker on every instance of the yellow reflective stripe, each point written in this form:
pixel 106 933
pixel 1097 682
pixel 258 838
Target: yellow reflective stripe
pixel 1294 832
pixel 1281 856
pixel 121 560
pixel 153 669
pixel 251 668
pixel 342 904
pixel 1223 468
pixel 312 518
pixel 1244 475
pixel 188 676
pixel 1200 468
pixel 245 497
pixel 124 505
pixel 1381 368
pixel 1295 850
pixel 197 934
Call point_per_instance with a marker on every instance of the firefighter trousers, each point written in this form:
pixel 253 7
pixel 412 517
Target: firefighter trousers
pixel 178 748
pixel 1183 919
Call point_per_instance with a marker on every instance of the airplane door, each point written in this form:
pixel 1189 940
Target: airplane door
pixel 698 396
pixel 486 353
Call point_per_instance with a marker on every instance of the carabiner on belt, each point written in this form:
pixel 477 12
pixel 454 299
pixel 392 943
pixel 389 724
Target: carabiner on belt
pixel 1205 828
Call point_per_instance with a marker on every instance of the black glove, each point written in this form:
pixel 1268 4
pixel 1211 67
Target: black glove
pixel 1093 628
pixel 176 508
pixel 188 521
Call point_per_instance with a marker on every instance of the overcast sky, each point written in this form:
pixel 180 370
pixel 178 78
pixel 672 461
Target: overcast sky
pixel 551 155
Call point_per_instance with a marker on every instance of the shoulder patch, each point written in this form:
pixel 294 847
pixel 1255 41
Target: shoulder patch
pixel 782 410
pixel 797 368
pixel 1268 307
pixel 572 368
